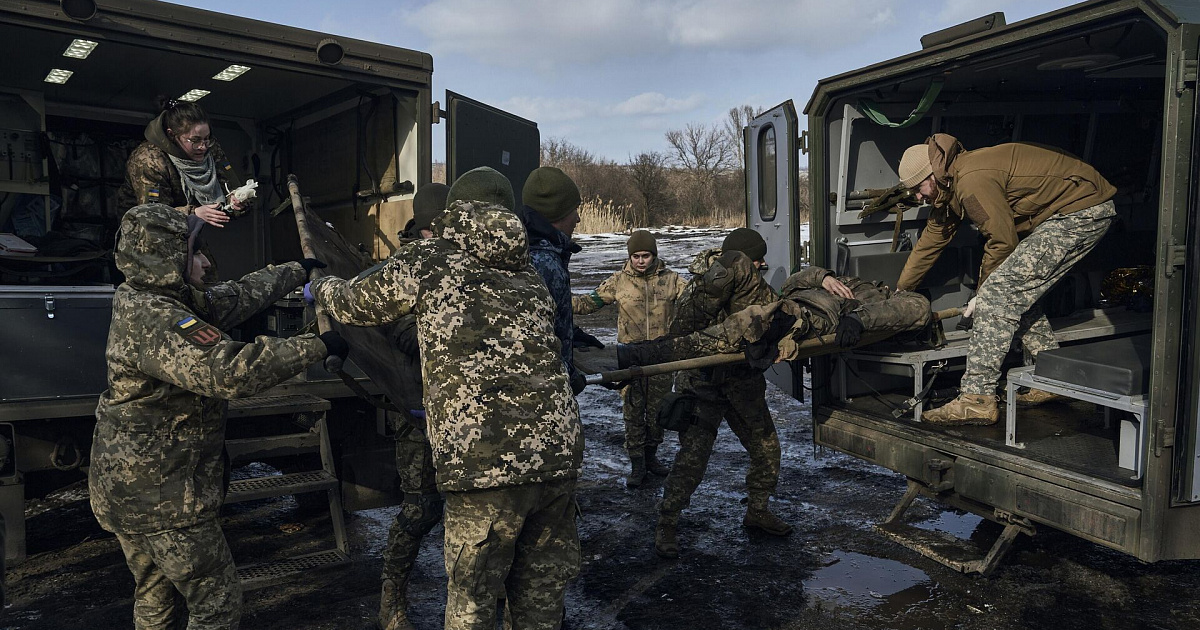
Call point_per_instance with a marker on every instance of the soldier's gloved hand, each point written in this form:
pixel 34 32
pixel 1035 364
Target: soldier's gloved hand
pixel 578 382
pixel 311 263
pixel 849 331
pixel 334 344
pixel 405 337
pixel 308 296
pixel 762 353
pixel 969 309
pixel 584 339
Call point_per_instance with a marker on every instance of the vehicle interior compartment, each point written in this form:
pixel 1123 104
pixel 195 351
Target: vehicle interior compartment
pixel 1096 92
pixel 65 146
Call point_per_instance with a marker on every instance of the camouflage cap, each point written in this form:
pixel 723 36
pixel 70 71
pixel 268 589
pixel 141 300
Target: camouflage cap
pixel 551 192
pixel 152 246
pixel 482 184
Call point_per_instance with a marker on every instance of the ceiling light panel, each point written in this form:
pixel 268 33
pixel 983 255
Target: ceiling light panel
pixel 231 73
pixel 80 49
pixel 194 95
pixel 58 76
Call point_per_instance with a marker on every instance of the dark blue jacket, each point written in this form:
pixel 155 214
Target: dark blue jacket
pixel 550 252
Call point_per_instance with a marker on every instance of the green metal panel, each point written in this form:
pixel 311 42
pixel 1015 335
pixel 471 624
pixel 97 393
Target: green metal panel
pixel 481 135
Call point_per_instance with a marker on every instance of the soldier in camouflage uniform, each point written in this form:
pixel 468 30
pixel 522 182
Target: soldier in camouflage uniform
pixel 724 281
pixel 421 509
pixel 1041 211
pixel 644 292
pixel 504 426
pixel 156 465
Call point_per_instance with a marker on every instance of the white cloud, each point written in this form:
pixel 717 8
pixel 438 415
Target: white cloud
pixel 546 34
pixel 557 110
pixel 656 103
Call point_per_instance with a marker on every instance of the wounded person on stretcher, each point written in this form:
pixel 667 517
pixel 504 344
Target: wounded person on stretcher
pixel 813 303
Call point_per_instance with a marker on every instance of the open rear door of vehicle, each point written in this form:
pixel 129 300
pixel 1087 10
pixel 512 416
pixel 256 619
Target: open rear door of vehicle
pixel 772 198
pixel 1186 435
pixel 481 135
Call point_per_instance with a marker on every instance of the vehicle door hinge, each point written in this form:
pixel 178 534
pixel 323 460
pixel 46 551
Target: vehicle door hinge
pixel 1165 437
pixel 436 113
pixel 804 142
pixel 1186 75
pixel 1176 257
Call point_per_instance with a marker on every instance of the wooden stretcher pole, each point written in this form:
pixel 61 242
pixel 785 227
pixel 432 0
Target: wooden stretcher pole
pixel 333 363
pixel 815 347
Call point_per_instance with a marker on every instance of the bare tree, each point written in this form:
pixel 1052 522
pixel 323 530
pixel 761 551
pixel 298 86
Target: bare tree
pixel 559 153
pixel 738 118
pixel 648 170
pixel 704 153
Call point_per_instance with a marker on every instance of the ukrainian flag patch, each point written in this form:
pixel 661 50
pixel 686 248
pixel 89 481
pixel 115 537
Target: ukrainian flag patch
pixel 196 332
pixel 152 194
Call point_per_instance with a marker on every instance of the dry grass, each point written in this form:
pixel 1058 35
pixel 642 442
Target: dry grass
pixel 597 216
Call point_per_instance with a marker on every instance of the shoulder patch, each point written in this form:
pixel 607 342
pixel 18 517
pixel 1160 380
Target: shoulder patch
pixel 975 210
pixel 196 332
pixel 152 194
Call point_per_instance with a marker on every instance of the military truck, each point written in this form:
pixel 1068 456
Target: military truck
pixel 79 81
pixel 1110 81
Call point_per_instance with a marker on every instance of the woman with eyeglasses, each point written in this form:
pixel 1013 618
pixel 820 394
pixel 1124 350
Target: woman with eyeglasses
pixel 181 165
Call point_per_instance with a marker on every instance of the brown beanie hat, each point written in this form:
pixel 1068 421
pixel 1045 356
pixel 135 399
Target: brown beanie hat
pixel 428 203
pixel 747 241
pixel 483 184
pixel 551 193
pixel 915 165
pixel 642 241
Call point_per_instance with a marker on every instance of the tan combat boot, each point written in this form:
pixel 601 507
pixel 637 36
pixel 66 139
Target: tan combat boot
pixel 393 606
pixel 1035 397
pixel 665 543
pixel 967 409
pixel 759 516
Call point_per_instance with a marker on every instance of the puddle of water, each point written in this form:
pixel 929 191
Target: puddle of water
pixel 959 525
pixel 861 581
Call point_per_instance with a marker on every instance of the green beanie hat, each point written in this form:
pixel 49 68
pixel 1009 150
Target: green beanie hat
pixel 549 191
pixel 428 203
pixel 642 241
pixel 748 242
pixel 482 184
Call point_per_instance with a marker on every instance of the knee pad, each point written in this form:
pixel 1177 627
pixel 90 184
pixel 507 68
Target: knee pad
pixel 420 512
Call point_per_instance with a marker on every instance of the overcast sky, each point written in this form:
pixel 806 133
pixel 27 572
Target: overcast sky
pixel 612 76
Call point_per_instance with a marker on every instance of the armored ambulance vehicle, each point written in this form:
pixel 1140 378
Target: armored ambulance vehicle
pixel 351 119
pixel 1115 462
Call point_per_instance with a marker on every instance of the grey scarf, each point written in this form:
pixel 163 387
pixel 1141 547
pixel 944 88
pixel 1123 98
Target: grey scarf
pixel 199 180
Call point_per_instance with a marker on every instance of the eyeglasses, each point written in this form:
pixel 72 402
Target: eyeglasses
pixel 198 142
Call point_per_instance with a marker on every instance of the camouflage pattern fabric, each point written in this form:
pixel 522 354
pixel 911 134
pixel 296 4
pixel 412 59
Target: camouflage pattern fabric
pixel 1004 307
pixel 641 400
pixel 518 543
pixel 645 300
pixel 421 509
pixel 723 283
pixel 160 426
pixel 741 401
pixel 500 409
pixel 190 565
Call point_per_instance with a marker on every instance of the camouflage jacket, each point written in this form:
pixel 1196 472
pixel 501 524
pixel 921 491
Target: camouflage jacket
pixel 151 177
pixel 879 308
pixel 160 426
pixel 498 403
pixel 645 301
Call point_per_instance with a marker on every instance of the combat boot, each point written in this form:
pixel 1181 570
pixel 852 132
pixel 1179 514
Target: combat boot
pixel 653 464
pixel 967 409
pixel 1035 397
pixel 759 516
pixel 393 605
pixel 637 471
pixel 665 543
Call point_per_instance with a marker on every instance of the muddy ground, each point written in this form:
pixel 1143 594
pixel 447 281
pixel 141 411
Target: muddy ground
pixel 835 571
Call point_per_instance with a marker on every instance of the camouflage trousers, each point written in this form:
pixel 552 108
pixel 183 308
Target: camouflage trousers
pixel 518 543
pixel 421 509
pixel 191 566
pixel 741 401
pixel 1006 306
pixel 642 398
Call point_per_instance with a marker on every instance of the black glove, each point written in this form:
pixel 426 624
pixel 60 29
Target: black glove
pixel 578 382
pixel 335 344
pixel 583 339
pixel 762 353
pixel 311 263
pixel 405 337
pixel 849 331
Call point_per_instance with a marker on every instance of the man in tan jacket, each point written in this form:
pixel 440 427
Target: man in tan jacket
pixel 1040 210
pixel 644 292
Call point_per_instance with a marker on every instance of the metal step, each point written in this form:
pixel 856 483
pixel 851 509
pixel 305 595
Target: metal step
pixel 276 405
pixel 263 574
pixel 249 449
pixel 279 485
